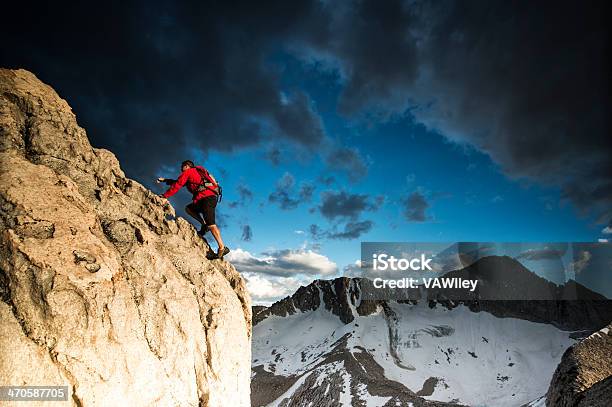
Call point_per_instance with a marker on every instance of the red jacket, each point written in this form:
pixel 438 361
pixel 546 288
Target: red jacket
pixel 192 178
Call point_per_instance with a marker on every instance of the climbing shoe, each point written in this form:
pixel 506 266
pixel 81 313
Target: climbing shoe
pixel 225 251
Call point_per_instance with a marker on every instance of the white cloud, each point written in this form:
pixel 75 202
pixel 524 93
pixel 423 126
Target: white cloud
pixel 283 263
pixel 353 269
pixel 581 262
pixel 266 290
pixel 279 273
pixel 607 230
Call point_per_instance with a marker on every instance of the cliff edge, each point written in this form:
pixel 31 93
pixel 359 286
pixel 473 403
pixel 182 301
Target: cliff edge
pixel 102 289
pixel 584 376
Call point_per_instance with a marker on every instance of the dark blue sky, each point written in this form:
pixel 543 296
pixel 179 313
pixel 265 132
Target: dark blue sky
pixel 329 123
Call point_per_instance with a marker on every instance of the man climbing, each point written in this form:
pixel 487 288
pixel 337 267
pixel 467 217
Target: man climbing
pixel 206 192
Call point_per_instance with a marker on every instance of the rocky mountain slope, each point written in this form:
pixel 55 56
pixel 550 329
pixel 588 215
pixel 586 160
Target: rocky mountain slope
pixel 431 352
pixel 102 289
pixel 584 376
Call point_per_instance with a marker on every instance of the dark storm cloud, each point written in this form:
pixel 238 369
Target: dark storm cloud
pixel 152 81
pixel 415 207
pixel 345 205
pixel 524 82
pixel 247 233
pixel 533 95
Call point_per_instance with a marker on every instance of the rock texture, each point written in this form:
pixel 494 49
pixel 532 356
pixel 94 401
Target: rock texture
pixel 101 287
pixel 584 376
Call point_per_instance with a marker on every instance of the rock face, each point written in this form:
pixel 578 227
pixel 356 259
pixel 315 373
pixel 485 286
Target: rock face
pixel 584 376
pixel 102 289
pixel 338 296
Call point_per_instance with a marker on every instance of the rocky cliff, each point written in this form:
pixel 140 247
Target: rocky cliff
pixel 102 288
pixel 584 376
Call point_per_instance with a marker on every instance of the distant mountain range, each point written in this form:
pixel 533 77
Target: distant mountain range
pixel 328 346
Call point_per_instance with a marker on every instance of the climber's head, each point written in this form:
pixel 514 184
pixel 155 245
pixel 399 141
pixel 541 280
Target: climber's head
pixel 187 164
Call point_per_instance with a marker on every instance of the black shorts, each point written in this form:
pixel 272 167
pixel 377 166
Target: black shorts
pixel 206 206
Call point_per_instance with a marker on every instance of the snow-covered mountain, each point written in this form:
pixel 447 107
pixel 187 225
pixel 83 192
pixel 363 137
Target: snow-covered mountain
pixel 325 346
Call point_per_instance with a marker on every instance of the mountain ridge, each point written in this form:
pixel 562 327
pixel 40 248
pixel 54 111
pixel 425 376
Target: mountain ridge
pixel 342 295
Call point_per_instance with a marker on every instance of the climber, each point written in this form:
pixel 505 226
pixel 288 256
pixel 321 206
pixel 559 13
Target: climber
pixel 206 193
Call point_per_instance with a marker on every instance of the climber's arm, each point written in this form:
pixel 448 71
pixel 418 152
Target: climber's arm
pixel 178 184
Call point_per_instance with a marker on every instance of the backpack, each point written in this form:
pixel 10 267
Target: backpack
pixel 209 182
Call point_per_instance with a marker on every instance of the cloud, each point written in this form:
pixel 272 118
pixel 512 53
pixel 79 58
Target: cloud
pixel 607 230
pixel 415 207
pixel 581 261
pixel 522 84
pixel 353 269
pixel 265 290
pixel 245 196
pixel 348 231
pixel 326 180
pixel 533 96
pixel 274 156
pixel 244 193
pixel 182 76
pixel 283 263
pixel 541 254
pixel 348 160
pixel 247 233
pixel 306 191
pixel 316 232
pixel 352 230
pixel 345 205
pixel 282 193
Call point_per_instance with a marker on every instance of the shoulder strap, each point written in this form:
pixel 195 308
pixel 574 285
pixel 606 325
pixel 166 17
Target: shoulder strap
pixel 208 182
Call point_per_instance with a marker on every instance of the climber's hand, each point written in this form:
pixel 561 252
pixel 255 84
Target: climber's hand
pixel 160 179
